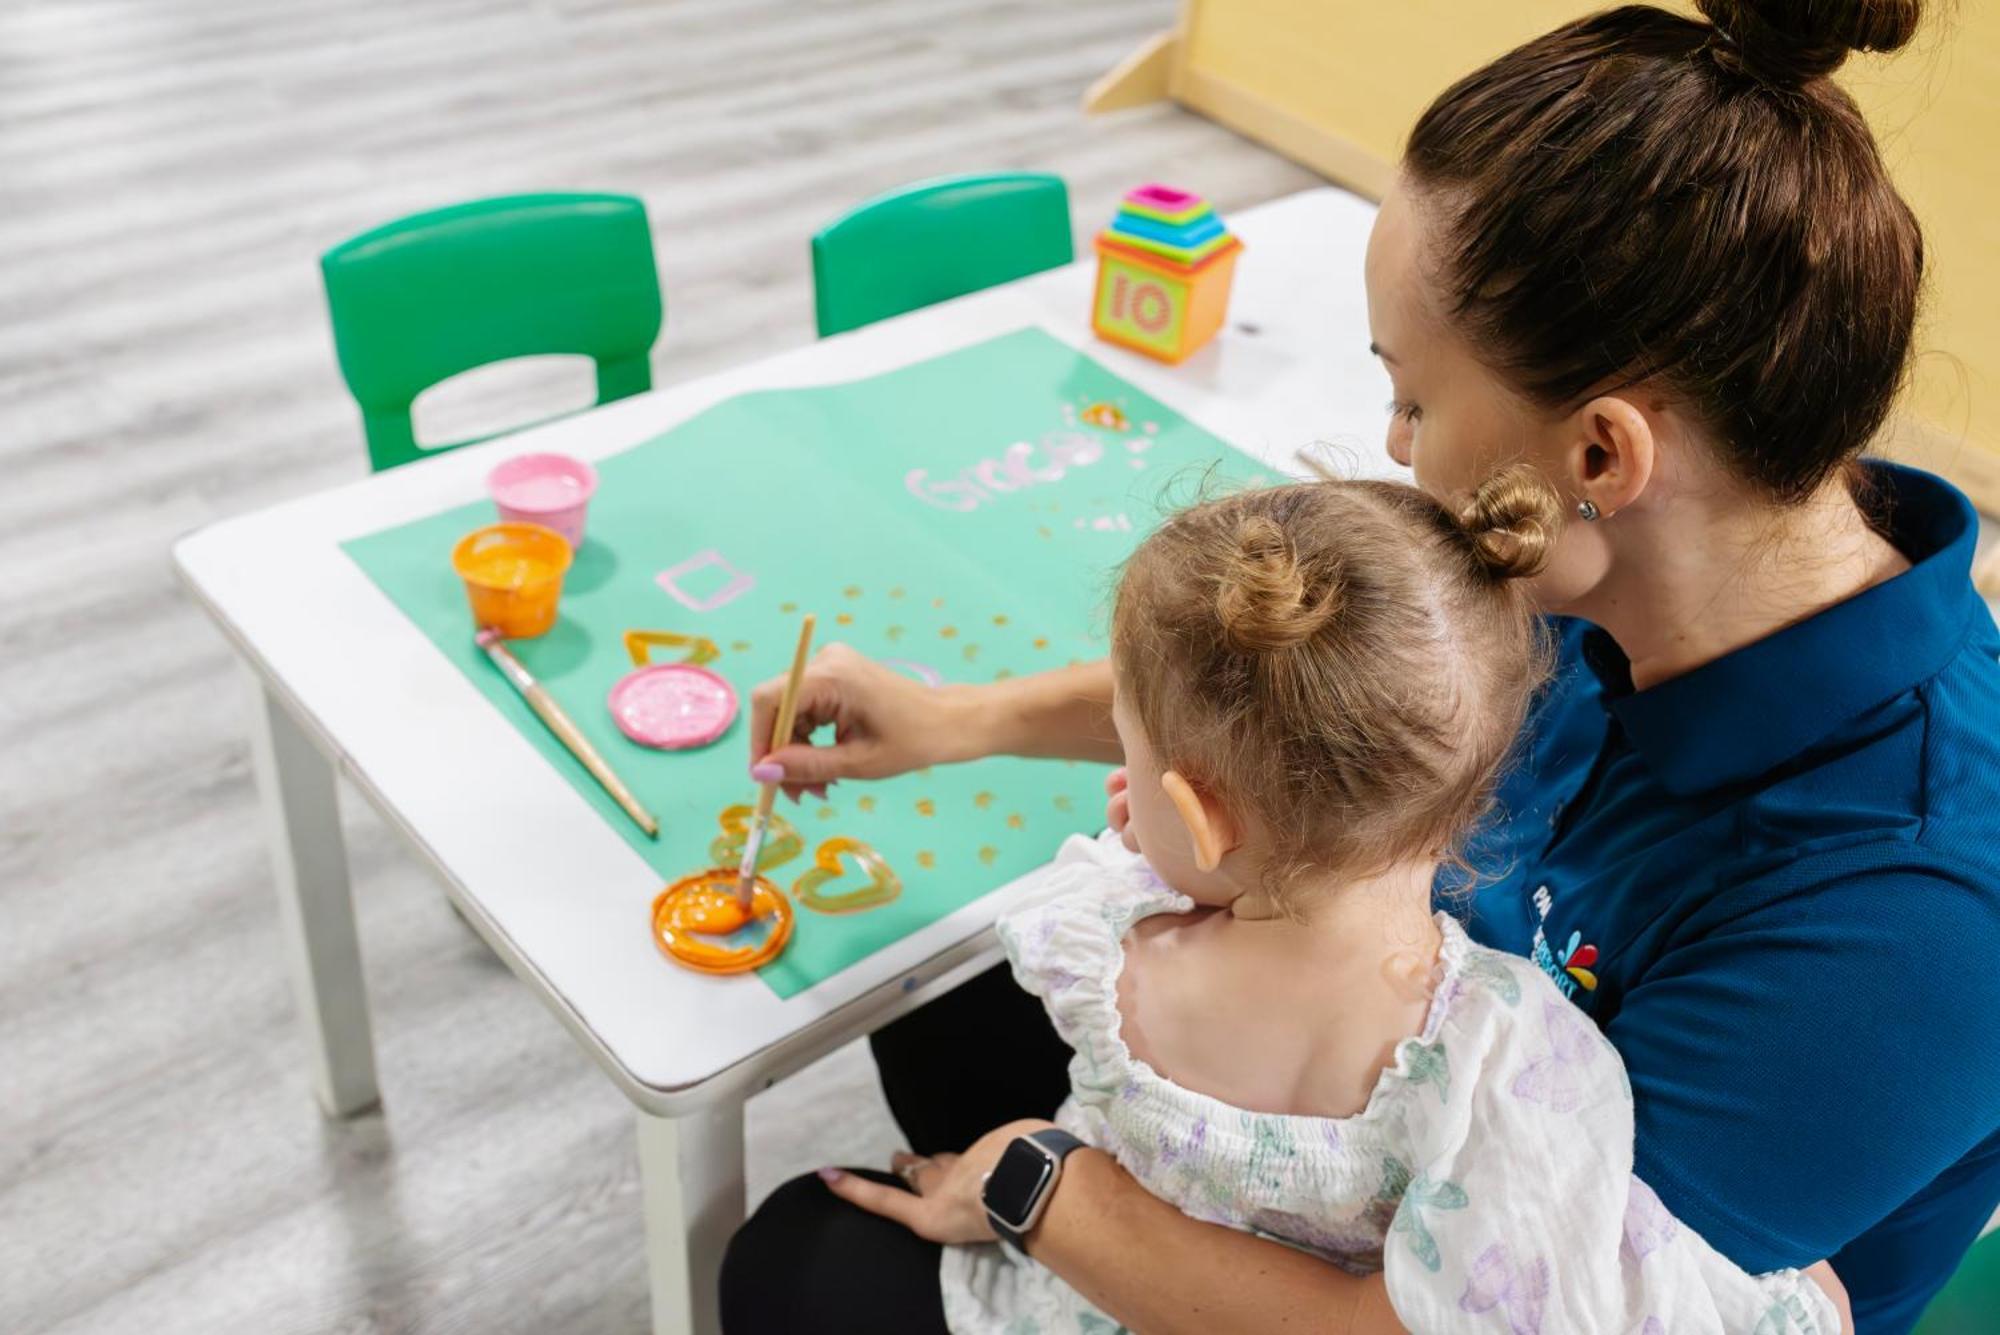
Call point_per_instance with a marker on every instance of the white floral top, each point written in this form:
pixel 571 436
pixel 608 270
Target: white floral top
pixel 1490 1173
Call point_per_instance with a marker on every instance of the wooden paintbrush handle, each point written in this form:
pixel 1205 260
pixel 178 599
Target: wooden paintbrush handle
pixel 565 729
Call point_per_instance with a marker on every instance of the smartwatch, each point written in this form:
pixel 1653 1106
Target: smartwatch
pixel 1017 1191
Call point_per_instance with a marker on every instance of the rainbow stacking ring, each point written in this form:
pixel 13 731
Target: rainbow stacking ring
pixel 673 706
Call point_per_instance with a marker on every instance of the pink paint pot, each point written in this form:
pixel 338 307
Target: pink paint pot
pixel 672 706
pixel 552 490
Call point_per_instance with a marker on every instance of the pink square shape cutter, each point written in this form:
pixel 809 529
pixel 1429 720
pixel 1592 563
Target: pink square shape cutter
pixel 737 585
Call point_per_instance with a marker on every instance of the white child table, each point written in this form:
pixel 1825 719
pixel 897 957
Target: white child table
pixel 344 681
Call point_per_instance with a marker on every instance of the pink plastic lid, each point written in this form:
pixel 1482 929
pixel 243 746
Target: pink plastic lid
pixel 1163 197
pixel 673 706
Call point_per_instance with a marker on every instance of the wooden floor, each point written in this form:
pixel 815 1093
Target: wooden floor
pixel 169 170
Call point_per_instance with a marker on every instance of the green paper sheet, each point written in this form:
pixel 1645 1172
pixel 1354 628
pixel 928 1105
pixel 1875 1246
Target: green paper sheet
pixel 962 517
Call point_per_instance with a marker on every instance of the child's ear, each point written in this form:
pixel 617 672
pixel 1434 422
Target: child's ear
pixel 1211 829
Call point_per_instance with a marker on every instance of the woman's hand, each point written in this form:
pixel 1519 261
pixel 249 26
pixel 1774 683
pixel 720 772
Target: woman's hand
pixel 944 1203
pixel 884 724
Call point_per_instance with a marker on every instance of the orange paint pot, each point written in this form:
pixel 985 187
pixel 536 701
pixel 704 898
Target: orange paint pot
pixel 692 917
pixel 513 576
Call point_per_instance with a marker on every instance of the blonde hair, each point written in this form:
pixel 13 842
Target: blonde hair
pixel 1348 661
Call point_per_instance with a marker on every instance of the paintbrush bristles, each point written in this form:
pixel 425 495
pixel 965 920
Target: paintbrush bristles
pixel 767 794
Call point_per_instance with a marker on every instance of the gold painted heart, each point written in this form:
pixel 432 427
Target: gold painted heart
pixel 782 842
pixel 882 887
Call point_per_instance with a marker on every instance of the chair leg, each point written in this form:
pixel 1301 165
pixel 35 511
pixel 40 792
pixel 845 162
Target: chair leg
pixel 623 378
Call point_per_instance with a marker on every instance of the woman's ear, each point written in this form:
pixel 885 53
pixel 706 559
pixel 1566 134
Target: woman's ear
pixel 1614 454
pixel 1211 829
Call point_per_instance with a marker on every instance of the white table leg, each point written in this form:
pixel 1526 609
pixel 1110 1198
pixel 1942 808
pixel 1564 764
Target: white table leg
pixel 691 1180
pixel 315 906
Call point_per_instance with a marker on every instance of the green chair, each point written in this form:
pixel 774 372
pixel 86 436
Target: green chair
pixel 1969 1303
pixel 422 299
pixel 936 240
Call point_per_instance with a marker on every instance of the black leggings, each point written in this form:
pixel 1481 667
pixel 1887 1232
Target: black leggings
pixel 808 1263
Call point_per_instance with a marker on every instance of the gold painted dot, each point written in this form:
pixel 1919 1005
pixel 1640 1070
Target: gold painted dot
pixel 1055 507
pixel 845 619
pixel 987 853
pixel 949 633
pixel 926 807
pixel 982 800
pixel 1043 529
pixel 1063 803
pixel 1041 642
pixel 971 653
pixel 895 593
pixel 852 591
pixel 739 646
pixel 894 633
pixel 827 813
pixel 866 804
pixel 937 602
pixel 1016 822
pixel 1003 674
pixel 788 607
pixel 926 859
pixel 1000 620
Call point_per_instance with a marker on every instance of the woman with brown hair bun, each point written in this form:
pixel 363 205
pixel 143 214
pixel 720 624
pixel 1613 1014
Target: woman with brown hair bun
pixel 1754 829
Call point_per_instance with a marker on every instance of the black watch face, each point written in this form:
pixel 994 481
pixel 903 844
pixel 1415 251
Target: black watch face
pixel 1017 1182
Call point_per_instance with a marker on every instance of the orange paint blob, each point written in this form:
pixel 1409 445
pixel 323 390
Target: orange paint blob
pixel 692 915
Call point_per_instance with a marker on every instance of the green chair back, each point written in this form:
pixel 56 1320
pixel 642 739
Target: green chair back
pixel 1969 1303
pixel 422 299
pixel 936 240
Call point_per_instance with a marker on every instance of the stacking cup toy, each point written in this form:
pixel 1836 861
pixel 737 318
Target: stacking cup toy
pixel 513 574
pixel 552 490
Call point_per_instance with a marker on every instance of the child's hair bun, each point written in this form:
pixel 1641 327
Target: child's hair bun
pixel 1789 43
pixel 1267 599
pixel 1511 522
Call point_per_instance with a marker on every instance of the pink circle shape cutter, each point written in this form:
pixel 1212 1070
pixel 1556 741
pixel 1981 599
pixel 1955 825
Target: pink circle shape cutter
pixel 552 490
pixel 673 706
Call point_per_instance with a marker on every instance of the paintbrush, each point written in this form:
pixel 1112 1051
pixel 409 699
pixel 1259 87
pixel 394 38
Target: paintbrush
pixel 565 729
pixel 767 794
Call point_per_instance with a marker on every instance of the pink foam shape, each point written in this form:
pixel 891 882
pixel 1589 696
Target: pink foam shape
pixel 737 585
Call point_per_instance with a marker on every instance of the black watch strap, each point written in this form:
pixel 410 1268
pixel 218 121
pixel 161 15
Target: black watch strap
pixel 1059 1143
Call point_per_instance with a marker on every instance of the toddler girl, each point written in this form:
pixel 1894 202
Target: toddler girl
pixel 1316 685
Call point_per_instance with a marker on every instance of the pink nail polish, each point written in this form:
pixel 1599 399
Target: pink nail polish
pixel 768 771
pixel 831 1175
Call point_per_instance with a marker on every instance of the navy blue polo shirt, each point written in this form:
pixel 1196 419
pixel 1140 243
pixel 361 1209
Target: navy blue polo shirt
pixel 1774 882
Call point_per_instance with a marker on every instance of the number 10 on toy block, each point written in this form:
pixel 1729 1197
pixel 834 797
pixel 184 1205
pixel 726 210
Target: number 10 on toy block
pixel 1163 273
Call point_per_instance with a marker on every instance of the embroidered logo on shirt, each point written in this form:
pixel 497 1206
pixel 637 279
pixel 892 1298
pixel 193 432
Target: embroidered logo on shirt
pixel 1571 966
pixel 1576 960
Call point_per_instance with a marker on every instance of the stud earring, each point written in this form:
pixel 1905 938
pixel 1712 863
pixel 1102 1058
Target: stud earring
pixel 1587 511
